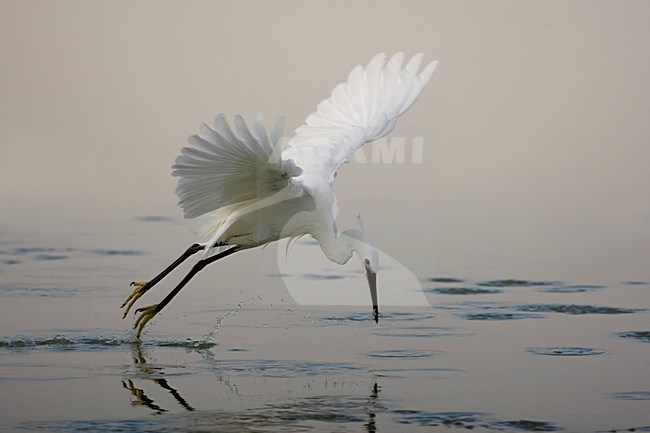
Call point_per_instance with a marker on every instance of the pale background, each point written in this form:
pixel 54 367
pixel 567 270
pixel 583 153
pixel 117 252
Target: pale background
pixel 535 125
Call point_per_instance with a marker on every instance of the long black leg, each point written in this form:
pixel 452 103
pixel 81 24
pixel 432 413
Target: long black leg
pixel 142 287
pixel 147 313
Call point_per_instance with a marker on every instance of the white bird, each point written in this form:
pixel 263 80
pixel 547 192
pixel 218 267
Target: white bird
pixel 244 191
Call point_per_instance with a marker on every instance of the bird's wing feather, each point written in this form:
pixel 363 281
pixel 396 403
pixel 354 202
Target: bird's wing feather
pixel 221 167
pixel 361 110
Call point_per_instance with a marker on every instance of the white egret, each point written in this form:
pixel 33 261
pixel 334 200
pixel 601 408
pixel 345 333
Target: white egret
pixel 245 191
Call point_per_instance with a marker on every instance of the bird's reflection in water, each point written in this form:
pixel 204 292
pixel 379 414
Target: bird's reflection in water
pixel 373 399
pixel 288 415
pixel 141 399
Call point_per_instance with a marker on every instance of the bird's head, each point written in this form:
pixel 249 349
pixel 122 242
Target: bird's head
pixel 369 257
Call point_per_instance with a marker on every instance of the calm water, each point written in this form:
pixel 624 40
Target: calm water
pixel 235 353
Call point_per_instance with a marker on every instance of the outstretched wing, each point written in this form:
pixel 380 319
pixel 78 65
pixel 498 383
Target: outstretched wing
pixel 361 110
pixel 220 167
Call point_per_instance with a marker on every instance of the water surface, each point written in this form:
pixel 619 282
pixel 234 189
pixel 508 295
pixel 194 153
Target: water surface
pixel 240 355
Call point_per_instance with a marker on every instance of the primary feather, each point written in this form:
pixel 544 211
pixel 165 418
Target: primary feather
pixel 359 111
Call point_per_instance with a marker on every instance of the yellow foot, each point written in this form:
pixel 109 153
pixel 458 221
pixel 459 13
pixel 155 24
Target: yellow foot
pixel 140 289
pixel 146 314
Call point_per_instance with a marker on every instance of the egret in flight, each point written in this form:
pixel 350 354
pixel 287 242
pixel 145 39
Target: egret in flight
pixel 245 191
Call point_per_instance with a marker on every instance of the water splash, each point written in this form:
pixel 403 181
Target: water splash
pixel 66 342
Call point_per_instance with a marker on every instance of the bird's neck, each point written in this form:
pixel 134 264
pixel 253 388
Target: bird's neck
pixel 338 247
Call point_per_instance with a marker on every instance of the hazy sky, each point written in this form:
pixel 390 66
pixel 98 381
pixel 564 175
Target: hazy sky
pixel 535 125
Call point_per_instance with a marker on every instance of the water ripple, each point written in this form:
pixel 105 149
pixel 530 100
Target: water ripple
pixel 633 395
pixel 366 317
pixel 500 316
pixel 45 257
pixel 463 291
pixel 41 292
pixel 643 336
pixel 527 425
pixel 321 277
pixel 404 354
pixel 107 252
pixel 420 332
pixel 449 419
pixel 469 421
pixel 444 280
pixel 518 283
pixel 578 288
pixel 565 351
pixel 287 368
pixel 419 373
pixel 573 309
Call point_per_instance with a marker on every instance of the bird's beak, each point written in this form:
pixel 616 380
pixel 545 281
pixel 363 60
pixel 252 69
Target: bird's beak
pixel 372 282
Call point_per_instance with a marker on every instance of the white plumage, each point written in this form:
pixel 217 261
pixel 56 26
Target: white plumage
pixel 359 111
pixel 225 173
pixel 243 190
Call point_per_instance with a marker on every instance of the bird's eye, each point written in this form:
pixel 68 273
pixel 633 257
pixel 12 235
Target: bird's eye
pixel 367 262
